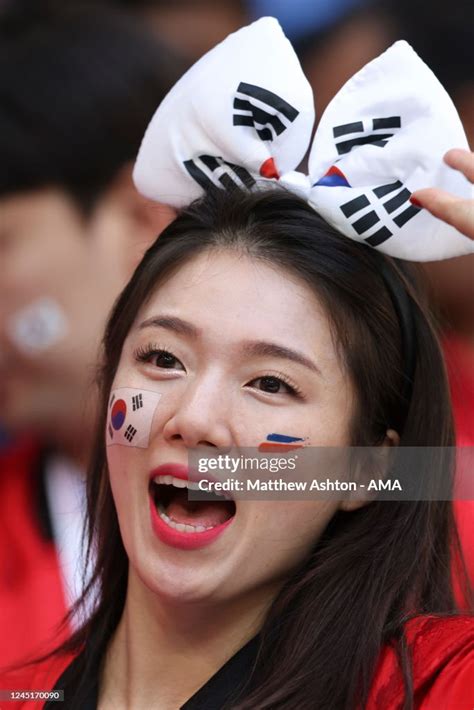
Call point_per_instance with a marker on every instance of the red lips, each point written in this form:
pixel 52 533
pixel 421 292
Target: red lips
pixel 170 536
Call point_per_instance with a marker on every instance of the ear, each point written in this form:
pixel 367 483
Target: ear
pixel 125 223
pixel 375 466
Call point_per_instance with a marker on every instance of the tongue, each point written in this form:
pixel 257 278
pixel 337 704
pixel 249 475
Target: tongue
pixel 190 512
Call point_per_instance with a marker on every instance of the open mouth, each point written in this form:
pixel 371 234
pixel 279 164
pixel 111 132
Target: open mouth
pixel 170 497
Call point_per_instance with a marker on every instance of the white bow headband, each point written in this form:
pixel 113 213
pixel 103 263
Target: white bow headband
pixel 244 113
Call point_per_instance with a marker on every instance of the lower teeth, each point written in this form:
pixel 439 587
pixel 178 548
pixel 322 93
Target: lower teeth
pixel 182 527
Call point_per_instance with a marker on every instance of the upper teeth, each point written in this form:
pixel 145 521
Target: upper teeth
pixel 178 482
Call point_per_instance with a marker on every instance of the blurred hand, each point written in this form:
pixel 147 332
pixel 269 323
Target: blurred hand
pixel 453 210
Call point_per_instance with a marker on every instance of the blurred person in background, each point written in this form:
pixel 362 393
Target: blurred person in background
pixel 77 89
pixel 192 27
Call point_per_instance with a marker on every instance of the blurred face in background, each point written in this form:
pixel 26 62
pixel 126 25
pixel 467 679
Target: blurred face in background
pixel 69 132
pixel 194 26
pixel 60 272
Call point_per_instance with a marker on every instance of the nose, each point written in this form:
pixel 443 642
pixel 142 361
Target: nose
pixel 201 417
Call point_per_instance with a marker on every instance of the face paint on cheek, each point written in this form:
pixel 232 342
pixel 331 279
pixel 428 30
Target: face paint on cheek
pixel 130 416
pixel 280 443
pixel 37 327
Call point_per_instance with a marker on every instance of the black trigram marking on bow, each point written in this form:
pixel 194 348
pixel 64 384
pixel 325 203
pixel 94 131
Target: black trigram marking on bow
pixel 112 400
pixel 210 171
pixel 137 402
pixel 370 219
pixel 111 432
pixel 130 432
pixel 375 134
pixel 263 110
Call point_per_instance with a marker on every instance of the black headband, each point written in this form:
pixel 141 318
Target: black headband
pixel 404 308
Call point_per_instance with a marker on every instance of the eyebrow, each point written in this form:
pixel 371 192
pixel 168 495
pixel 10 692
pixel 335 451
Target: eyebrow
pixel 251 348
pixel 259 348
pixel 178 325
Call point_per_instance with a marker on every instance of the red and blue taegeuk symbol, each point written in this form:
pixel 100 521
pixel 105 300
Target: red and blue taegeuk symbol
pixel 119 412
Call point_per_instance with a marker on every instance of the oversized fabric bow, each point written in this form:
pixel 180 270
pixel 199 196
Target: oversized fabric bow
pixel 244 114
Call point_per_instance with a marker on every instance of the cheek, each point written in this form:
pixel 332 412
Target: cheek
pixel 278 442
pixel 330 423
pixel 324 422
pixel 126 467
pixel 131 417
pixel 288 530
pixel 302 519
pixel 266 427
pixel 122 462
pixel 283 536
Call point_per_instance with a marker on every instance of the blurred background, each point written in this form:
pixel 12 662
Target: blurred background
pixel 78 84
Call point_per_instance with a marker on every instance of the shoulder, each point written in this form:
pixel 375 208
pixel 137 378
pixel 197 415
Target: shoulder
pixel 36 679
pixel 442 650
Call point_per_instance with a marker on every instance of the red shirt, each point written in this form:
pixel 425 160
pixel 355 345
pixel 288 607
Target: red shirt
pixel 459 355
pixel 443 669
pixel 32 601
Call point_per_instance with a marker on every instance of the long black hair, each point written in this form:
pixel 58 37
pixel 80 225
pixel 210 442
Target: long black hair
pixel 372 567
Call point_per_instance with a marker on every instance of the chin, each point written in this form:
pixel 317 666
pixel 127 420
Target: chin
pixel 174 586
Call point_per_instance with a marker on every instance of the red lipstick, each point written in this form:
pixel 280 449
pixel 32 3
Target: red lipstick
pixel 171 536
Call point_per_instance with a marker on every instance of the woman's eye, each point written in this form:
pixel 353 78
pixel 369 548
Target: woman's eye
pixel 272 385
pixel 159 358
pixel 165 360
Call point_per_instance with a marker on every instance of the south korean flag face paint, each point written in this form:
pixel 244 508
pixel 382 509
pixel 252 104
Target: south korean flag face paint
pixel 130 416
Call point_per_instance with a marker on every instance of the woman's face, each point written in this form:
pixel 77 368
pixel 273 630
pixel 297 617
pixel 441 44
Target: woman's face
pixel 236 349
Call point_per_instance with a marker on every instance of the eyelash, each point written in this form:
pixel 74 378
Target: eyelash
pixel 279 376
pixel 144 353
